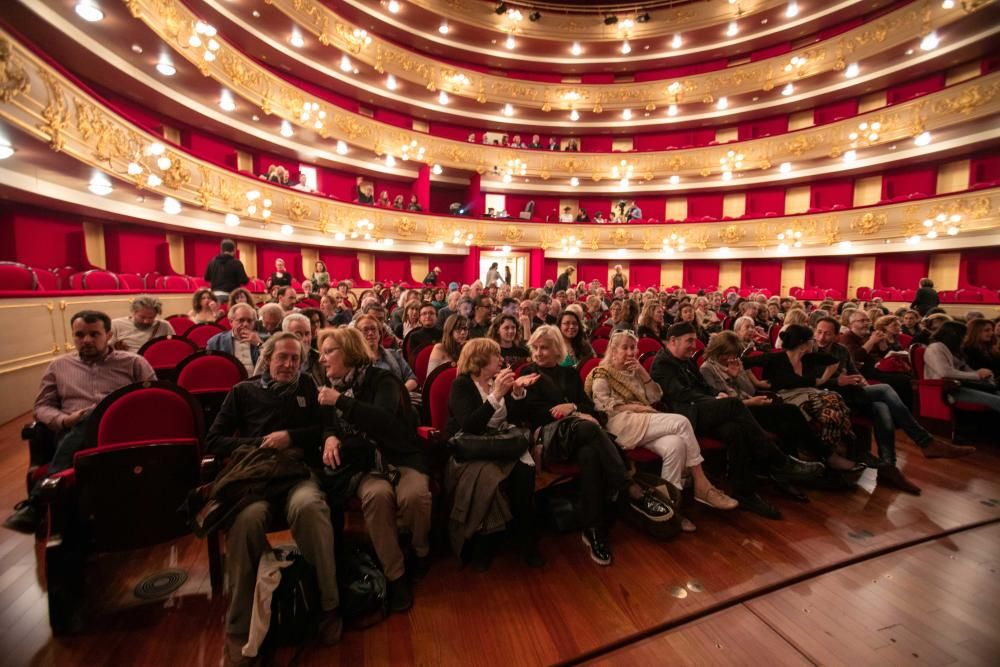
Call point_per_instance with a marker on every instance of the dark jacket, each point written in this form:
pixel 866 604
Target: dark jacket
pixel 225 273
pixel 925 299
pixel 284 280
pixel 779 372
pixel 562 282
pixel 682 383
pixel 560 384
pixel 250 412
pixel 469 413
pixel 431 278
pixel 380 410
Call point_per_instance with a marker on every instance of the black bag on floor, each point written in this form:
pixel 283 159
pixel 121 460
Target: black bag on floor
pixel 363 600
pixel 559 506
pixel 662 528
pixel 295 603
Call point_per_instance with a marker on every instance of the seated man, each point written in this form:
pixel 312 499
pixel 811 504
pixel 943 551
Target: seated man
pixel 277 410
pixel 727 419
pixel 882 404
pixel 427 333
pixel 862 342
pixel 71 388
pixel 131 333
pixel 271 315
pixel 241 340
pixel 287 298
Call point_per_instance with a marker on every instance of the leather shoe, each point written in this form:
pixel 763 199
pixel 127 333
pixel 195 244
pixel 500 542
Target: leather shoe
pixel 794 469
pixel 600 552
pixel 419 566
pixel 890 475
pixel 531 556
pixel 716 499
pixel 752 502
pixel 648 505
pixel 400 597
pixel 25 519
pixel 232 652
pixel 331 627
pixel 939 449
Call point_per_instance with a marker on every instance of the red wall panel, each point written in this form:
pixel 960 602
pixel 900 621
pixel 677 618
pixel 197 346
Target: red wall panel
pixel 452 268
pixel 909 90
pixel 908 181
pixel 764 127
pixel 130 249
pixel 762 201
pixel 209 148
pixel 828 113
pixel 900 270
pixel 700 273
pixel 702 204
pixel 394 267
pixel 770 52
pixel 199 251
pixel 393 118
pixel 760 273
pixel 643 273
pixel 826 273
pixel 40 238
pixel 984 168
pixel 980 268
pixel 268 253
pixel 591 269
pixel 834 192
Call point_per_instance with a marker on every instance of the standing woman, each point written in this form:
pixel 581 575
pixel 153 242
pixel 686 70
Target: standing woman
pixel 280 277
pixel 483 396
pixel 506 331
pixel 320 276
pixel 578 349
pixel 926 297
pixel 454 336
pixel 622 390
pixel 563 421
pixel 492 275
pixel 368 420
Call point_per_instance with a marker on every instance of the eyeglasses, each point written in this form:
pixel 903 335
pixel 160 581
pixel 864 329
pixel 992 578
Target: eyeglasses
pixel 243 320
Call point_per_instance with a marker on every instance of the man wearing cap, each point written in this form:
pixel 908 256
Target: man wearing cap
pixel 432 276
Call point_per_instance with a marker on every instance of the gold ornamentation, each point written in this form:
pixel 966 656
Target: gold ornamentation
pixel 13 78
pixel 621 236
pixel 176 175
pixel 297 209
pixel 55 113
pixel 869 223
pixel 512 234
pixel 404 226
pixel 731 235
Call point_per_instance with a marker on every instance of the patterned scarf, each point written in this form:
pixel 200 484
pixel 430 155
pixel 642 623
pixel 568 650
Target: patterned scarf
pixel 622 384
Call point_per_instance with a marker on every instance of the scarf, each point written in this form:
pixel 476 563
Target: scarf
pixel 621 384
pixel 282 389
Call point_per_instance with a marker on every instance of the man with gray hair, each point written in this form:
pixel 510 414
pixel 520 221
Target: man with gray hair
pixel 271 315
pixel 241 341
pixel 143 325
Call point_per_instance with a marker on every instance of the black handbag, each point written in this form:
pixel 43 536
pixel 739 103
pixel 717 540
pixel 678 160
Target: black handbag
pixel 506 445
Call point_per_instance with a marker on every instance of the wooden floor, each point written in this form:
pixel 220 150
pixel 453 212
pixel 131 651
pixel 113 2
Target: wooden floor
pixel 869 576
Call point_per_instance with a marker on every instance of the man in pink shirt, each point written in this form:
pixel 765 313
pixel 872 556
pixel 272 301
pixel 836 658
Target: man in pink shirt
pixel 72 386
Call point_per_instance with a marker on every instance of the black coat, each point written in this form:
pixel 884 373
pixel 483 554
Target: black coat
pixel 469 413
pixel 562 282
pixel 925 299
pixel 225 273
pixel 560 384
pixel 682 383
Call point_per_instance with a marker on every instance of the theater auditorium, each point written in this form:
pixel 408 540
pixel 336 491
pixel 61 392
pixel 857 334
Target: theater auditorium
pixel 469 332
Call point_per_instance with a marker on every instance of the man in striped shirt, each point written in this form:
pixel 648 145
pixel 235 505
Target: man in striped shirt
pixel 72 386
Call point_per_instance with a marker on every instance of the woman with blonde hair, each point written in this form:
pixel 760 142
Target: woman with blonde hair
pixel 651 321
pixel 622 389
pixel 794 316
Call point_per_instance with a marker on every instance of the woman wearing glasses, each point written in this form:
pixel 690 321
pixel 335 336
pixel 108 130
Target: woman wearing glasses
pixel 456 332
pixel 622 389
pixel 390 360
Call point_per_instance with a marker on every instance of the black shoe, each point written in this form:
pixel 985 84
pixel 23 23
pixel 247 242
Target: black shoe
pixel 419 565
pixel 531 556
pixel 649 505
pixel 789 489
pixel 483 553
pixel 869 460
pixel 400 597
pixel 600 552
pixel 26 517
pixel 754 503
pixel 794 469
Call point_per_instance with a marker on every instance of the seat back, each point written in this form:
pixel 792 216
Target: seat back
pixel 180 323
pixel 647 360
pixel 100 281
pixel 210 371
pixel 174 283
pixel 165 353
pixel 603 331
pixel 600 346
pixel 45 279
pixel 917 359
pixel 437 389
pixel 420 363
pixel 131 281
pixel 200 333
pixel 773 332
pixel 588 366
pixel 17 276
pixel 648 344
pixel 153 412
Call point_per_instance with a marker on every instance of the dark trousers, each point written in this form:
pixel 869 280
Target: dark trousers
pixel 747 444
pixel 520 490
pixel 792 429
pixel 602 471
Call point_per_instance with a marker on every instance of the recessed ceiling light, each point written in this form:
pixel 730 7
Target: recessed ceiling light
pixel 850 156
pixel 390 82
pixel 171 206
pixel 136 48
pixel 255 118
pixel 930 42
pixel 852 71
pixel 5 150
pixel 508 110
pixel 226 101
pixel 922 139
pixel 722 104
pixel 732 29
pixel 442 97
pixel 675 179
pixel 286 129
pixel 345 63
pixel 510 43
pixel 287 230
pixel 393 6
pixel 296 39
pixel 443 28
pixel 436 170
pixel 100 185
pixel 727 175
pixel 255 14
pixel 626 48
pixel 627 114
pixel 676 42
pixel 576 49
pixel 792 10
pixel 231 219
pixel 672 110
pixel 574 115
pixel 785 167
pixel 788 90
pixel 89 11
pixel 165 67
pixel 390 161
pixel 574 181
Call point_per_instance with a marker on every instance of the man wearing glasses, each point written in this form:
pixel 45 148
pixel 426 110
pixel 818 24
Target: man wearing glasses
pixel 482 316
pixel 241 341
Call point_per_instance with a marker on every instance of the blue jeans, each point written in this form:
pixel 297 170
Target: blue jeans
pixel 967 395
pixel 889 413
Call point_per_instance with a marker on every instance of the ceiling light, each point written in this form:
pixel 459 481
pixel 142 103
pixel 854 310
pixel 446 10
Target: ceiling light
pixel 443 28
pixel 390 161
pixel 5 150
pixel 508 110
pixel 253 195
pixel 388 242
pixel 89 11
pixel 100 185
pixel 930 42
pixel 436 170
pixel 534 16
pixel 154 181
pixel 194 41
pixel 627 114
pixel 136 49
pixel 574 115
pixel 134 169
pixel 171 206
pixel 675 179
pixel 788 90
pixel 576 49
pixel 913 240
pixel 286 129
pixel 732 29
pixel 341 147
pixel 165 67
pixel 296 39
pixel 792 10
pixel 287 230
pixel 846 245
pixel 610 19
pixel 948 4
pixel 922 139
pixel 850 156
pixel 226 101
pixel 442 97
pixel 727 175
pixel 390 82
pixel 393 6
pixel 345 63
pixel 952 231
pixel 626 47
pixel 676 42
pixel 785 167
pixel 722 104
pixel 932 234
pixel 672 110
pixel 574 181
pixel 510 43
pixel 852 71
pixel 163 162
pixel 507 178
pixel 232 219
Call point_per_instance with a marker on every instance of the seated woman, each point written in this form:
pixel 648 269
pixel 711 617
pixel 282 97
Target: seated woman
pixel 456 332
pixel 793 316
pixel 409 321
pixel 651 322
pixel 628 317
pixel 482 397
pixel 240 295
pixel 687 313
pixel 279 277
pixel 622 390
pixel 414 205
pixel 368 420
pixel 981 347
pixel 205 307
pixel 562 416
pixel 725 374
pixel 943 360
pixel 383 200
pixel 578 348
pixel 506 331
pixel 397 202
pixel 751 338
pixel 387 359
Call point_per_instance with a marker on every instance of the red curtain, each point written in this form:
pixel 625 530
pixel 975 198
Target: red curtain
pixel 761 273
pixel 209 148
pixel 42 239
pixel 336 183
pixel 456 132
pixel 536 76
pixel 682 71
pixel 704 204
pixel 596 144
pixel 594 204
pixel 340 264
pixel 764 127
pixel 909 181
pixel 550 271
pixel 643 273
pixel 984 168
pixel 452 268
pixel 393 267
pixel 442 198
pixel 700 273
pixel 590 269
pixel 916 88
pixel 765 200
pixel 393 118
pixel 826 194
pixel 130 249
pixel 980 268
pixel 130 110
pixel 828 113
pixel 900 270
pixel 268 253
pixel 827 273
pixel 770 52
pixel 652 207
pixel 199 251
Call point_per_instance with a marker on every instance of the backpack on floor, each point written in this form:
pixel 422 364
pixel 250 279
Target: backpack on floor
pixel 363 598
pixel 558 504
pixel 295 606
pixel 662 528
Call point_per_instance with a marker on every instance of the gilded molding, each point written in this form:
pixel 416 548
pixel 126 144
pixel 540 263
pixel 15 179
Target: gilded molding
pixel 13 78
pixel 94 135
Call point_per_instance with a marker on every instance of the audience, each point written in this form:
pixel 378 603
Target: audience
pixel 143 325
pixel 279 277
pixel 242 340
pixel 204 307
pixel 981 347
pixel 506 331
pixel 943 360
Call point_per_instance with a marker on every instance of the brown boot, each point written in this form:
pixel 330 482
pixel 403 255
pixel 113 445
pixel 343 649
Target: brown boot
pixel 232 652
pixel 331 627
pixel 939 449
pixel 890 475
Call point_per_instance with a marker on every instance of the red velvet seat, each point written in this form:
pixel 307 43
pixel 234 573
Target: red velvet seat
pixel 647 360
pixel 864 293
pixel 165 353
pixel 17 276
pixel 149 279
pixel 209 375
pixel 588 366
pixel 132 281
pixel 603 331
pixel 174 283
pixel 45 280
pixel 200 333
pixel 180 323
pixel 647 344
pixel 420 363
pixel 931 394
pixel 600 346
pixel 436 390
pixel 95 280
pixel 257 286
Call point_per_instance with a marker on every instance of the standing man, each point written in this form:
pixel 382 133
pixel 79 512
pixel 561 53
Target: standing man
pixel 432 276
pixel 131 333
pixel 564 279
pixel 225 273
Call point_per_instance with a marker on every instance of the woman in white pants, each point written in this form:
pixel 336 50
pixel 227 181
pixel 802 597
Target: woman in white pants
pixel 622 389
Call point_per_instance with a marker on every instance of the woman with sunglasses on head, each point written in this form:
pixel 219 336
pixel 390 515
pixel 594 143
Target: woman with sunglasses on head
pixel 622 390
pixel 563 420
pixel 456 333
pixel 578 349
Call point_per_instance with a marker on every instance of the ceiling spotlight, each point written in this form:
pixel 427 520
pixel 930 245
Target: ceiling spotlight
pixel 165 67
pixel 534 16
pixel 442 97
pixel 232 220
pixel 390 82
pixel 727 175
pixel 610 19
pixel 732 29
pixel 626 47
pixel 948 4
pixel 510 43
pixel 226 101
pixel 443 28
pixel 576 49
pixel 676 42
pixel 5 150
pixel 675 179
pixel 788 90
pixel 785 167
pixel 286 129
pixel 390 161
pixel 574 181
pixel 296 39
pixel 171 206
pixel 345 63
pixel 672 110
pixel 722 104
pixel 850 156
pixel 89 11
pixel 436 170
pixel 930 42
pixel 393 7
pixel 287 230
pixel 792 10
pixel 922 139
pixel 852 71
pixel 627 114
pixel 642 18
pixel 100 185
pixel 341 147
pixel 574 115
